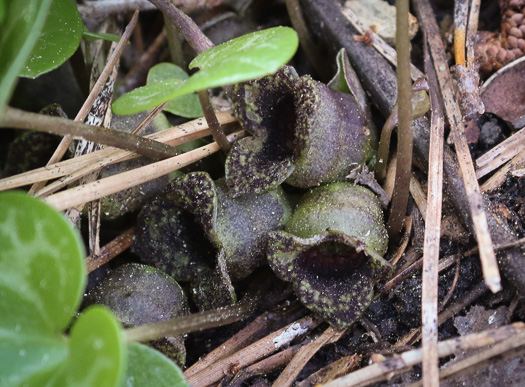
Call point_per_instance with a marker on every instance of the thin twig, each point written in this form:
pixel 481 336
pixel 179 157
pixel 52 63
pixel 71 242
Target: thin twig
pixel 253 331
pixel 460 30
pixel 19 119
pixel 84 110
pixel 174 136
pixel 429 297
pixel 511 347
pixel 292 370
pixel 213 123
pixel 401 363
pixel 488 258
pixel 257 350
pixel 192 323
pixel 449 312
pixel 332 371
pixel 379 44
pixel 112 184
pixel 191 32
pixel 111 250
pixel 500 154
pixel 498 179
pixel 472 29
pixel 94 167
pixel 454 283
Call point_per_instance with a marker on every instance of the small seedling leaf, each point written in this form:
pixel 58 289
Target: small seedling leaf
pixel 97 354
pixel 247 57
pixel 58 39
pixel 186 106
pixel 147 367
pixel 22 23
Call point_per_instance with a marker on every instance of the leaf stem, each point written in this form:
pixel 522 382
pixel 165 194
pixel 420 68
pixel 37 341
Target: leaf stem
pixel 19 119
pixel 213 123
pixel 405 140
pixel 191 31
pixel 192 323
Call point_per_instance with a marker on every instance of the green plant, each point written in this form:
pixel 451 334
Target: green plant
pixel 247 57
pixel 58 39
pixel 37 37
pixel 21 23
pixel 42 279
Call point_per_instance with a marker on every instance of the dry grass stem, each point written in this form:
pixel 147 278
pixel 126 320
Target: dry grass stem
pixel 449 312
pixel 429 297
pixel 112 184
pixel 419 196
pixel 191 323
pixel 296 365
pixel 379 44
pixel 488 258
pixel 500 154
pixel 404 240
pixel 95 91
pixel 93 161
pixel 244 337
pixel 472 29
pixel 403 362
pixel 253 352
pixel 111 250
pixel 460 30
pixel 498 179
pixel 332 371
pixel 511 347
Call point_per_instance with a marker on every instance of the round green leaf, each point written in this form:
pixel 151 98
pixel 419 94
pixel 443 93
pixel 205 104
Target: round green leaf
pixel 42 270
pixel 267 49
pixel 2 10
pixel 147 367
pixel 29 359
pixel 147 97
pixel 247 57
pixel 42 277
pixel 185 106
pixel 23 20
pixel 58 39
pixel 163 71
pixel 97 355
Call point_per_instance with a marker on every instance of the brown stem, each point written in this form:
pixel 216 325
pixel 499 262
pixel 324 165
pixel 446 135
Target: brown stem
pixel 213 122
pixel 404 146
pixel 191 31
pixel 19 119
pixel 308 46
pixel 192 323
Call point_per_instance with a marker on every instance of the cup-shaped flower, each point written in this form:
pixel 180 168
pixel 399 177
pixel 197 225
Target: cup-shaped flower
pixel 237 226
pixel 302 132
pixel 331 251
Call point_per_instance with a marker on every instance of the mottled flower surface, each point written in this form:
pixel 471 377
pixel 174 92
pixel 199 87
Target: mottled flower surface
pixel 203 235
pixel 331 251
pixel 303 133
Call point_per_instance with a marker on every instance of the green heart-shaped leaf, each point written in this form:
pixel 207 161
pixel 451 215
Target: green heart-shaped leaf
pixel 21 26
pixel 42 277
pixel 58 39
pixel 185 106
pixel 147 367
pixel 97 352
pixel 247 57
